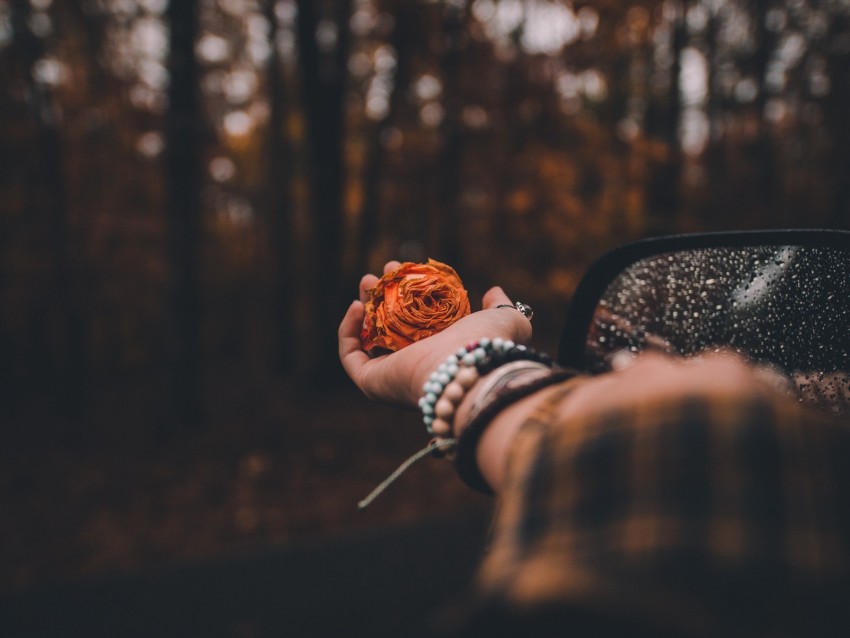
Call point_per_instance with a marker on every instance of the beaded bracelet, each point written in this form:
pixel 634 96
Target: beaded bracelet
pixel 445 389
pixel 449 383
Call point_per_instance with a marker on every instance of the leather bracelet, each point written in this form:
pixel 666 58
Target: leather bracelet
pixel 504 377
pixel 488 404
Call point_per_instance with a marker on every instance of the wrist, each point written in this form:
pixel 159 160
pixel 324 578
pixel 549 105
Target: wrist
pixel 503 405
pixel 452 379
pixel 496 323
pixel 470 388
pixel 499 382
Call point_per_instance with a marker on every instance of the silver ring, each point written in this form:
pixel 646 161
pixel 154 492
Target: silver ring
pixel 526 310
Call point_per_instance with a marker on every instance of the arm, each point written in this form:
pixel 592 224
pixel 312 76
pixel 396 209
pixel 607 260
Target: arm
pixel 652 379
pixel 397 378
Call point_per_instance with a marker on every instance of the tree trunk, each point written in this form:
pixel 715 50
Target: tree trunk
pixel 280 204
pixel 445 233
pixel 764 152
pixel 370 213
pixel 836 108
pixel 323 80
pixel 183 209
pixel 664 189
pixel 59 313
pixel 713 160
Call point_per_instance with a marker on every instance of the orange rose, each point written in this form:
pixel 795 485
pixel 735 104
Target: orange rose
pixel 412 302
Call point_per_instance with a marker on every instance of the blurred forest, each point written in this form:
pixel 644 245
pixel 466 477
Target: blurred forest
pixel 191 190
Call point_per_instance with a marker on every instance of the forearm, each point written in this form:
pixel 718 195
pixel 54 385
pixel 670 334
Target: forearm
pixel 653 378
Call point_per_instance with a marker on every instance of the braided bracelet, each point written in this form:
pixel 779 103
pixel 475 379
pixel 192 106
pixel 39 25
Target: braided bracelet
pixel 505 390
pixel 449 383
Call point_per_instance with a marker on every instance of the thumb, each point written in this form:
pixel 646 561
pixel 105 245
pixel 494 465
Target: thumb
pixel 495 297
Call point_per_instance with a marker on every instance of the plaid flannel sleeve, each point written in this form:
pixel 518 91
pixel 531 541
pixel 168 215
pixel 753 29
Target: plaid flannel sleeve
pixel 696 515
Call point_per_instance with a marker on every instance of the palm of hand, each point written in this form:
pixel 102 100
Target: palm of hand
pixel 397 378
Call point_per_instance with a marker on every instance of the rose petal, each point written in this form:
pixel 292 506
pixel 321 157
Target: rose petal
pixel 411 303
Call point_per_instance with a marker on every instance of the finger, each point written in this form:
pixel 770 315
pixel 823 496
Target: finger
pixel 350 352
pixel 350 327
pixel 647 363
pixel 367 283
pixel 391 265
pixel 495 297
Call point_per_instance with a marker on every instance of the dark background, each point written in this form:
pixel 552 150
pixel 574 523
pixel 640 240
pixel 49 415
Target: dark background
pixel 190 191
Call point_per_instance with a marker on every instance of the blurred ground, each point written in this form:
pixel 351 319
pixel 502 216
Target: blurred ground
pixel 411 581
pixel 119 523
pixel 279 462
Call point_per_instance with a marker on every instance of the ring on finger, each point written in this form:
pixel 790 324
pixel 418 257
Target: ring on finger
pixel 526 310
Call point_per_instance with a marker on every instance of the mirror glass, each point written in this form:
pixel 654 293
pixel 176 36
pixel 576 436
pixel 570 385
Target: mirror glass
pixel 786 306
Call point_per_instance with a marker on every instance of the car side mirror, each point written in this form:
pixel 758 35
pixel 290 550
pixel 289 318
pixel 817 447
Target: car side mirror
pixel 781 298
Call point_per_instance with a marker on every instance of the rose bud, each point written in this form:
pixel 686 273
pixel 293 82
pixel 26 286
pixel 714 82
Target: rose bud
pixel 412 302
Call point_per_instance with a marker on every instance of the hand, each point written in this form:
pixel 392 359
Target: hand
pixel 654 377
pixel 397 378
